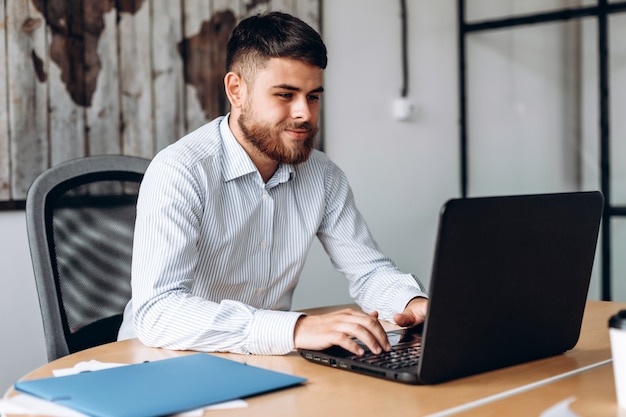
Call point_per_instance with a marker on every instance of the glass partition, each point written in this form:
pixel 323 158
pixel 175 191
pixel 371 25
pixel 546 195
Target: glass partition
pixel 481 10
pixel 617 74
pixel 527 120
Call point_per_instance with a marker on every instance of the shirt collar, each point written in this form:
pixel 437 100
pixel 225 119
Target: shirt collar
pixel 284 173
pixel 237 162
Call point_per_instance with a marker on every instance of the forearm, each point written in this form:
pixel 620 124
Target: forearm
pixel 191 323
pixel 169 313
pixel 375 283
pixel 387 292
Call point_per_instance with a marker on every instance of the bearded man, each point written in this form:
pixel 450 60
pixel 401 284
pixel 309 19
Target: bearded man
pixel 226 217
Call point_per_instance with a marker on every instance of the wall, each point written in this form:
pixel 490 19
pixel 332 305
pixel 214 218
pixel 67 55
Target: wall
pixel 20 326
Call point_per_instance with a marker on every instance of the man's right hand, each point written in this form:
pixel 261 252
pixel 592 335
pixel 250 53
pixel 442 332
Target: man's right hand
pixel 339 328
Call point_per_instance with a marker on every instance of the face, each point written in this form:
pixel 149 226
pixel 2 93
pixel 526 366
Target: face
pixel 280 110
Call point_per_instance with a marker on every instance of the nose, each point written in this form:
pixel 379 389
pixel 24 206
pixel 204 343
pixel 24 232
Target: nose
pixel 301 109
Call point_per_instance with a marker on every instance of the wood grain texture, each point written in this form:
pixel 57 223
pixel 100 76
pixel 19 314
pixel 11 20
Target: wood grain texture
pixel 27 95
pixel 205 61
pixel 194 14
pixel 5 171
pixel 168 99
pixel 136 82
pixel 103 116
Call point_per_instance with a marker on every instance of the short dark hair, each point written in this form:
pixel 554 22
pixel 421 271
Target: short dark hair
pixel 274 35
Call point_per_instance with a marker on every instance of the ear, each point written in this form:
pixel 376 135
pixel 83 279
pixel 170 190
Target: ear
pixel 235 89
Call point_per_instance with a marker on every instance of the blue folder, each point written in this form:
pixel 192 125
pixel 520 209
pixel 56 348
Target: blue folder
pixel 162 387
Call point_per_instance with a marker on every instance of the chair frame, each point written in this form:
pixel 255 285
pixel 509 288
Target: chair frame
pixel 46 188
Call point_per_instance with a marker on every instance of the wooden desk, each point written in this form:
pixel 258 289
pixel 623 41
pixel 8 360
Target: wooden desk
pixel 331 391
pixel 590 393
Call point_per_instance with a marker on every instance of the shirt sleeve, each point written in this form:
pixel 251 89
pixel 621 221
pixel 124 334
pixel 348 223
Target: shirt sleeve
pixel 375 283
pixel 165 256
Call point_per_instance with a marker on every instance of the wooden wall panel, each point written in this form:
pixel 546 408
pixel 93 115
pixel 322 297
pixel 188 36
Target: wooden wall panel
pixel 252 7
pixel 285 6
pixel 168 94
pixel 195 13
pixel 103 116
pixel 4 117
pixel 136 82
pixel 236 6
pixel 66 116
pixel 27 94
pixel 309 11
pixel 111 77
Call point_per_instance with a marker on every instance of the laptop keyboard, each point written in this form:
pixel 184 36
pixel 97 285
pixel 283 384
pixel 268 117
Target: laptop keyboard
pixel 397 358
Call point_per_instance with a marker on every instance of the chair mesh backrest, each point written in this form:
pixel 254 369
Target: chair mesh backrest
pixel 80 217
pixel 92 243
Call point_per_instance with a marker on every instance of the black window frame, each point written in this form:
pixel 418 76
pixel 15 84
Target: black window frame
pixel 600 11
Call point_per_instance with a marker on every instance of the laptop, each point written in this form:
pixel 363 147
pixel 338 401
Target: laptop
pixel 509 285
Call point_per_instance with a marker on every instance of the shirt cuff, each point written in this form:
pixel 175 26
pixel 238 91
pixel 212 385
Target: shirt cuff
pixel 403 297
pixel 272 332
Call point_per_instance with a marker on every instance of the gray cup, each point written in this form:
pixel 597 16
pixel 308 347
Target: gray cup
pixel 617 332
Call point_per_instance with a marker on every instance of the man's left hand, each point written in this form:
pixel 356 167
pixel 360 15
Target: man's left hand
pixel 414 313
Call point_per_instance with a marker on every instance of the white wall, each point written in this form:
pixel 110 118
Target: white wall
pixel 20 324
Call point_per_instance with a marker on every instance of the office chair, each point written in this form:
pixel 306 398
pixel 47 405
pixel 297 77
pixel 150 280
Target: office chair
pixel 80 218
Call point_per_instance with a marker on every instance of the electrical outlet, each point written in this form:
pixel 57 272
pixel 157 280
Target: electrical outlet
pixel 403 109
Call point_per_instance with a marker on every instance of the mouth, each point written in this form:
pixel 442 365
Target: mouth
pixel 299 134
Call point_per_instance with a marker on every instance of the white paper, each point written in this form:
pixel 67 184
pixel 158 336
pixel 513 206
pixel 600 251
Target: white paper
pixel 561 409
pixel 91 365
pixel 29 405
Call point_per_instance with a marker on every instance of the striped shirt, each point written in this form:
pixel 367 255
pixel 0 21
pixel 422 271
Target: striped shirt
pixel 218 252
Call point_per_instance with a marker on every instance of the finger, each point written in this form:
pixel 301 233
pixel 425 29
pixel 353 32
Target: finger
pixel 338 328
pixel 407 319
pixel 371 335
pixel 404 320
pixel 350 345
pixel 364 327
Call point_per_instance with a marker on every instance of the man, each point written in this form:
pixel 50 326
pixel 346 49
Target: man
pixel 226 217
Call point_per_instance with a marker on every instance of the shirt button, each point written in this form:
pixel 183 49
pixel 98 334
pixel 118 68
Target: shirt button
pixel 259 290
pixel 263 244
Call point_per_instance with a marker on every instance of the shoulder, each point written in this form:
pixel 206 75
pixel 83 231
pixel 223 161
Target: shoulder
pixel 200 147
pixel 182 171
pixel 321 172
pixel 204 142
pixel 329 170
pixel 319 164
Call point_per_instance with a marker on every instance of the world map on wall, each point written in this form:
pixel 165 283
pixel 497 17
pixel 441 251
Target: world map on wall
pixel 76 27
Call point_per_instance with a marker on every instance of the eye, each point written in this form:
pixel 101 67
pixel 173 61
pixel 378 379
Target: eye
pixel 285 96
pixel 313 98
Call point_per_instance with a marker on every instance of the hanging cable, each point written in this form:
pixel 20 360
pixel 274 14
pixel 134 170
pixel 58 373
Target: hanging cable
pixel 405 62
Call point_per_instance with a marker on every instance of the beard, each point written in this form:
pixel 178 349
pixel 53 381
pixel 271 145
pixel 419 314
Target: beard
pixel 266 139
